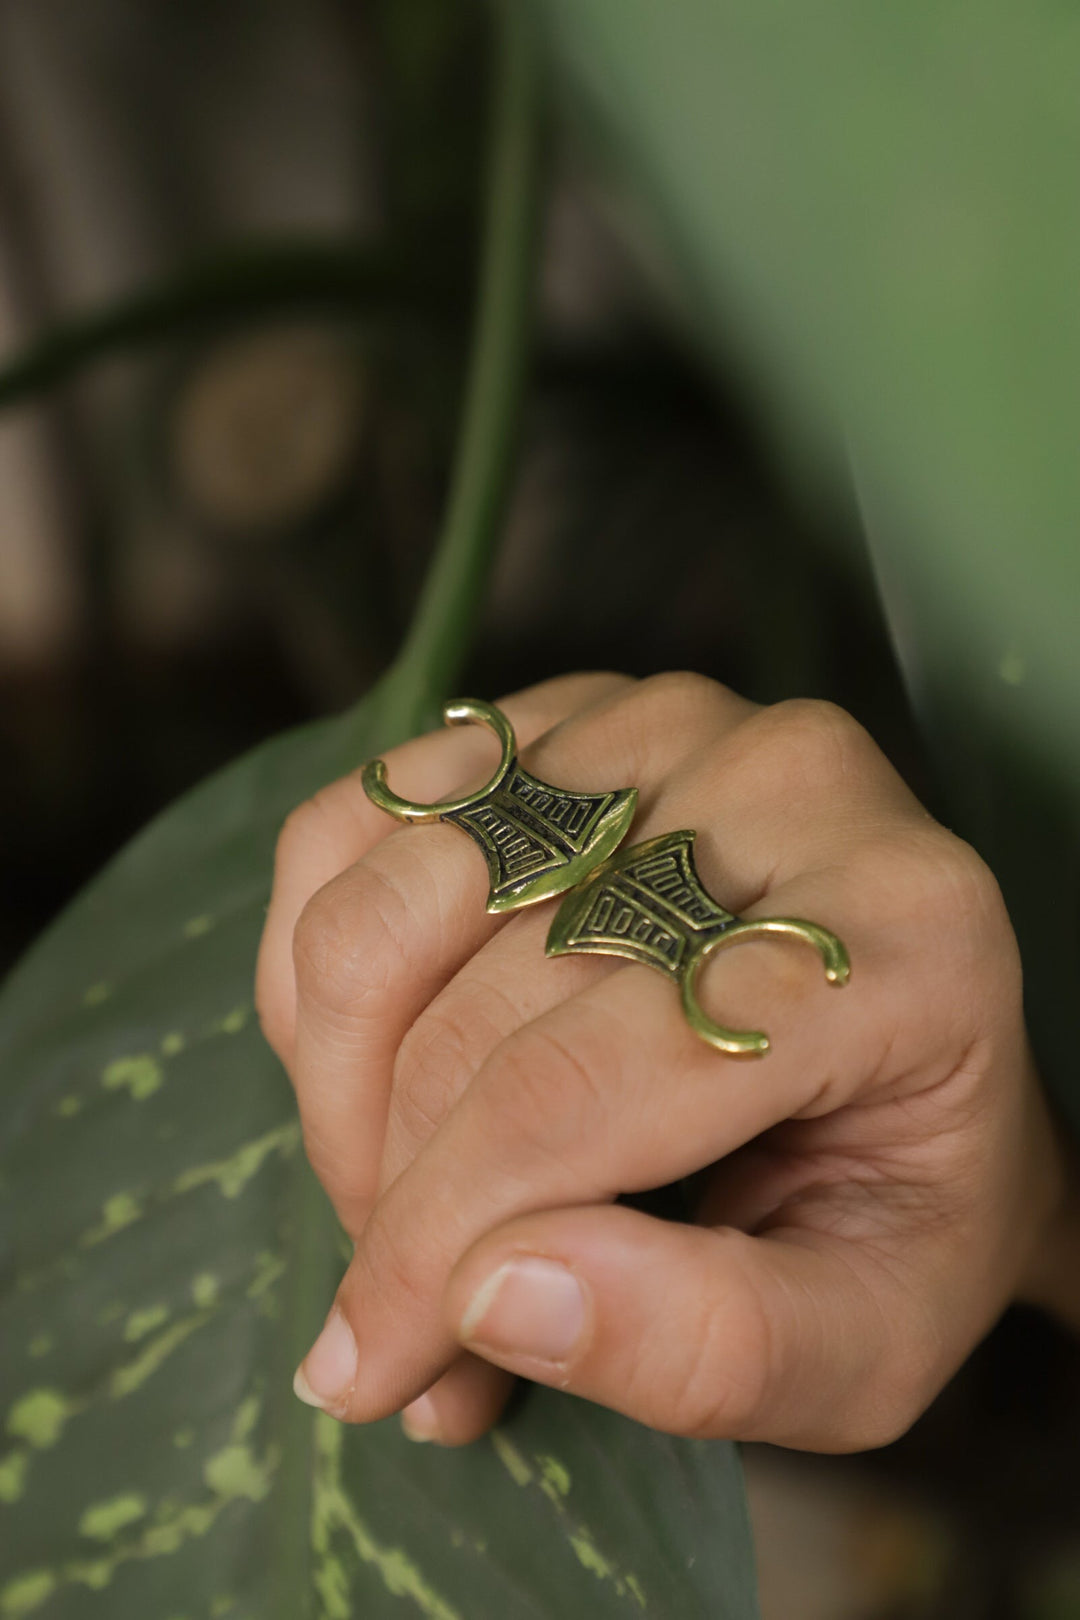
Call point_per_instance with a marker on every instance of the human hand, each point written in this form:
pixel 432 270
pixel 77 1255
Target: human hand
pixel 878 1184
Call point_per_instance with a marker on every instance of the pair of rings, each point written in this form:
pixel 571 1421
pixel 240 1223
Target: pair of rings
pixel 646 903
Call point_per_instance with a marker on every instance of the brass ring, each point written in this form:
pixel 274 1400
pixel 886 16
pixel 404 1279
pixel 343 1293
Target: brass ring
pixel 648 904
pixel 538 840
pixel 462 712
pixel 753 1042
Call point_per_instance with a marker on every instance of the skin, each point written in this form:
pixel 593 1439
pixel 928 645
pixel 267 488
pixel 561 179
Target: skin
pixel 877 1189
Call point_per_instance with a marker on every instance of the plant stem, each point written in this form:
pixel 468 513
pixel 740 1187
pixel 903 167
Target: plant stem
pixel 439 637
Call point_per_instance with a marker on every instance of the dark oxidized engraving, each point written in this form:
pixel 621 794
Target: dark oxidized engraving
pixel 672 877
pixel 648 905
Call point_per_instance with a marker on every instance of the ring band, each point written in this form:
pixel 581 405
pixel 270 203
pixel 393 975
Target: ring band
pixel 538 840
pixel 648 904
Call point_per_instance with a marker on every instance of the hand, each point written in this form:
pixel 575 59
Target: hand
pixel 877 1185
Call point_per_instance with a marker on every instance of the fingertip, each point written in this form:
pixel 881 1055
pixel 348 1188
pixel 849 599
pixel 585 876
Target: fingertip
pixel 461 1406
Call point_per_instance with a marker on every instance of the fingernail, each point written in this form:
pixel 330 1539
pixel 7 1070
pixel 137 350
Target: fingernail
pixel 420 1420
pixel 328 1371
pixel 528 1307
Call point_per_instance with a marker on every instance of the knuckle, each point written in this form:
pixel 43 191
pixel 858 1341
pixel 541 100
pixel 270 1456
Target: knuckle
pixel 897 1395
pixel 676 696
pixel 816 740
pixel 432 1061
pixel 391 1265
pixel 581 687
pixel 545 1097
pixel 343 942
pixel 725 1388
pixel 933 877
pixel 658 715
pixel 902 1362
pixel 315 821
pixel 969 888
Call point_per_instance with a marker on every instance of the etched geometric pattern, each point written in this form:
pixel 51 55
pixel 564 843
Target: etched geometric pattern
pixel 527 828
pixel 646 904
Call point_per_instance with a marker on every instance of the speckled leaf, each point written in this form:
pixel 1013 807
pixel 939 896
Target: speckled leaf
pixel 166 1258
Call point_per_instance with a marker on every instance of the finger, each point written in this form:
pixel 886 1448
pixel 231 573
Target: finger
pixel 378 943
pixel 610 1092
pixel 461 1405
pixel 505 985
pixel 741 856
pixel 796 1338
pixel 339 825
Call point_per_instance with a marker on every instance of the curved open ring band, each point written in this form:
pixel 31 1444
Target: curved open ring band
pixel 538 840
pixel 648 904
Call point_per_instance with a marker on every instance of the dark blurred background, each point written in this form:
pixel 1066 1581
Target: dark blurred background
pixel 218 530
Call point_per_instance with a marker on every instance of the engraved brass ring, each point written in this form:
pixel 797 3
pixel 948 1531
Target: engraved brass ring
pixel 648 904
pixel 538 840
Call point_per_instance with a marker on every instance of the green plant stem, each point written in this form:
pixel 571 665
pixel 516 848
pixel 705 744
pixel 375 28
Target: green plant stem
pixel 438 639
pixel 241 284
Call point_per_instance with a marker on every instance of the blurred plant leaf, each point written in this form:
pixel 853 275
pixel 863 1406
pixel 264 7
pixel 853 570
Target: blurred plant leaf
pixel 167 1258
pixel 878 204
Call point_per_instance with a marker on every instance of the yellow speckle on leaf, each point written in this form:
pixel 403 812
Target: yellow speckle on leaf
pixel 235 1472
pixel 511 1458
pixel 26 1593
pixel 195 927
pixel 590 1555
pixel 39 1417
pixel 110 1313
pixel 104 1520
pixel 268 1268
pixel 140 1323
pixel 183 1438
pixel 172 1044
pixel 635 1586
pixel 134 1374
pixel 331 1510
pixel 222 1605
pixel 163 1539
pixel 556 1477
pixel 332 1585
pixel 92 1572
pixel 233 1174
pixel 205 1289
pixel 234 1021
pixel 247 1415
pixel 96 994
pixel 117 1212
pixel 13 1468
pixel 173 1523
pixel 40 1345
pixel 67 1107
pixel 142 1074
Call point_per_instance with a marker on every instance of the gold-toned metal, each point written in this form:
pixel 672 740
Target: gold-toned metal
pixel 538 840
pixel 647 903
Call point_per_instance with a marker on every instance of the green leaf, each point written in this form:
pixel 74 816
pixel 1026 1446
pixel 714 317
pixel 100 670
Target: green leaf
pixel 877 205
pixel 167 1259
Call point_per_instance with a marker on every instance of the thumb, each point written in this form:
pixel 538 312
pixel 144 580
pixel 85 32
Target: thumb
pixel 699 1331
